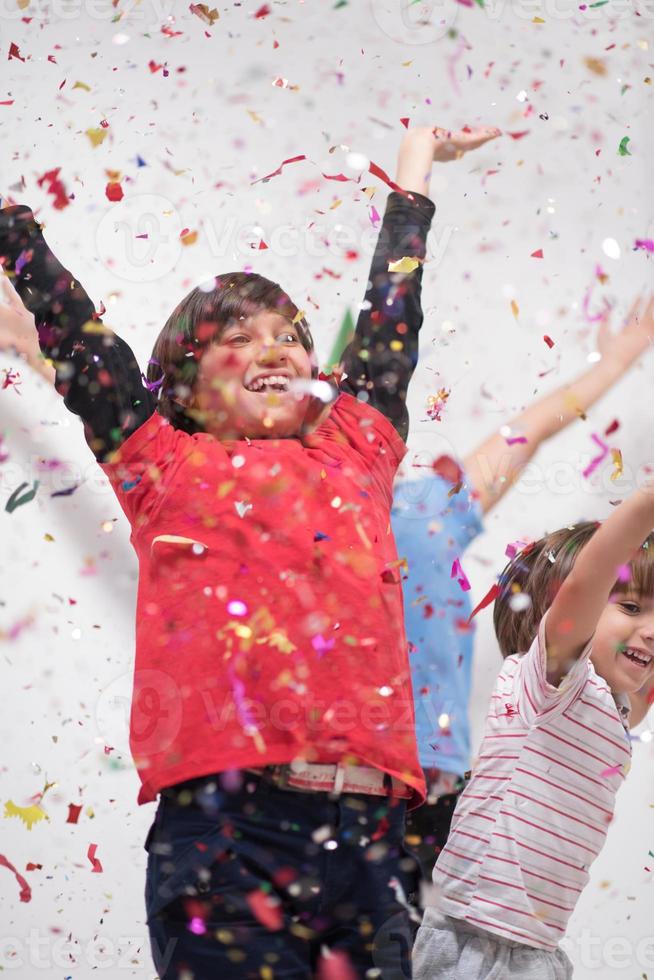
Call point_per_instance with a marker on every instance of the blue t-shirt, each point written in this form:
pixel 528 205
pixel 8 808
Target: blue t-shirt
pixel 431 531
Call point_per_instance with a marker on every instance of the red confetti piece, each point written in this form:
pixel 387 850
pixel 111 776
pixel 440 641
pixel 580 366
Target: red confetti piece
pixel 262 12
pixel 55 187
pixel 613 427
pixel 153 66
pixel 262 245
pixel 518 136
pixel 7 102
pixel 276 173
pixel 97 866
pixel 405 121
pixel 548 341
pixel 490 596
pixel 448 469
pixel 25 890
pixel 14 52
pixel 73 813
pixel 335 964
pixel 538 254
pixel 31 866
pixel 266 910
pixel 114 191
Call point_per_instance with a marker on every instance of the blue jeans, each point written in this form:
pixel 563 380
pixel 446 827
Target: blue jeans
pixel 244 876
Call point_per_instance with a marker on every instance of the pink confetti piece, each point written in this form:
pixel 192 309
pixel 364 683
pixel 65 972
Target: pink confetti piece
pixel 374 216
pixel 585 303
pixel 647 244
pixel 512 440
pixel 515 547
pixel 604 452
pixel 97 866
pixel 25 890
pixel 461 577
pixel 611 771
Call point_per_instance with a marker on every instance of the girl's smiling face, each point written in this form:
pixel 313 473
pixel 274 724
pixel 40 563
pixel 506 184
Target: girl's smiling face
pixel 623 645
pixel 244 385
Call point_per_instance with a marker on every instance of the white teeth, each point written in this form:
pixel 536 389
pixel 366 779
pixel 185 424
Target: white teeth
pixel 641 658
pixel 277 381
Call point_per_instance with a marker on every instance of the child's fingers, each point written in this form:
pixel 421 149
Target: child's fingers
pixel 11 297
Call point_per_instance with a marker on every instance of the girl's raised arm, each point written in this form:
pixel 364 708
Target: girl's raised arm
pixel 572 618
pixel 384 352
pixel 96 371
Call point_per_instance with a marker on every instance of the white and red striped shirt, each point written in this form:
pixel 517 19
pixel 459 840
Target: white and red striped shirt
pixel 537 809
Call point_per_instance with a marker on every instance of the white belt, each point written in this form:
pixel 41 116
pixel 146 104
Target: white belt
pixel 334 778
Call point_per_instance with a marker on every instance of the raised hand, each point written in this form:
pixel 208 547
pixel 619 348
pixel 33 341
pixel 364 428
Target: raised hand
pixel 451 145
pixel 425 145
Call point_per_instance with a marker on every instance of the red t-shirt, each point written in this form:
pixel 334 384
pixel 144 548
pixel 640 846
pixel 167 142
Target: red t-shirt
pixel 269 624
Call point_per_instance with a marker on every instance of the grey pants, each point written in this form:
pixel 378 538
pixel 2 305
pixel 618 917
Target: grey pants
pixel 451 949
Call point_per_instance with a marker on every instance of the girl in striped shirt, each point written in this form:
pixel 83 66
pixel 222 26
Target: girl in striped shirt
pixel 556 749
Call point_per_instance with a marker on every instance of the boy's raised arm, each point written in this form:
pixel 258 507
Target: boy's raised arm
pixel 96 371
pixel 384 352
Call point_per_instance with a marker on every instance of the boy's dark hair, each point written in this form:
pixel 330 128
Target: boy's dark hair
pixel 538 571
pixel 197 322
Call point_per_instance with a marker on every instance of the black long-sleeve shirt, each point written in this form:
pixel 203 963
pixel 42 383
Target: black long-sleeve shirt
pixel 97 372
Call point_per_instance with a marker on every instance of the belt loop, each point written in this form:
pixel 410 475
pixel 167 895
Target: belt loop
pixel 339 779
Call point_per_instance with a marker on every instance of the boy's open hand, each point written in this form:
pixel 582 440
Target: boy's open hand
pixel 450 145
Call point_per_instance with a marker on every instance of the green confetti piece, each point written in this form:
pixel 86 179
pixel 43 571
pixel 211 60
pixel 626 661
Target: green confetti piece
pixel 599 3
pixel 623 150
pixel 16 500
pixel 343 338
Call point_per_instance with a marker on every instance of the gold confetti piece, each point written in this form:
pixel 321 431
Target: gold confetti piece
pixel 515 309
pixel 82 85
pixel 48 537
pixel 95 326
pixel 406 64
pixel 28 814
pixel 406 264
pixel 616 457
pixel 96 136
pixel 337 203
pixel 369 191
pixel 299 316
pixel 396 345
pixel 23 4
pixel 190 238
pixel 596 65
pixel 202 11
pixel 255 117
pixel 538 20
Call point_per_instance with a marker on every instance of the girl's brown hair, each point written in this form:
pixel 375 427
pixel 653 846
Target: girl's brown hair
pixel 538 571
pixel 197 322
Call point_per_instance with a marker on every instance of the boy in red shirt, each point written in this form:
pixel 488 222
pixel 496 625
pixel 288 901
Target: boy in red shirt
pixel 272 701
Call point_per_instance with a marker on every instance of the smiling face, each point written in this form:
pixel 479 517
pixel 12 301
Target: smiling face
pixel 623 645
pixel 244 385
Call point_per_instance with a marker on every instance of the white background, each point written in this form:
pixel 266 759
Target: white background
pixel 205 132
